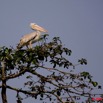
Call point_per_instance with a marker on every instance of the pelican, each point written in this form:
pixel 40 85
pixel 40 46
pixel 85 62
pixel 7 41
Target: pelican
pixel 28 39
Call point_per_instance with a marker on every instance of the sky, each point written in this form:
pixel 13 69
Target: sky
pixel 79 24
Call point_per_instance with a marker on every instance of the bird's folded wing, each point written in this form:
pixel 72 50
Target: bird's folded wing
pixel 26 38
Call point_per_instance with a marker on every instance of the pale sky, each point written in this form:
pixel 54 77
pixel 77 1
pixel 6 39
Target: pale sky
pixel 79 24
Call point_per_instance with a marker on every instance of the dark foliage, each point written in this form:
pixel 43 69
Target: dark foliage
pixel 59 83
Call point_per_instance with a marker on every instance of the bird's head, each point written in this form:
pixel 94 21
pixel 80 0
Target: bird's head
pixel 31 24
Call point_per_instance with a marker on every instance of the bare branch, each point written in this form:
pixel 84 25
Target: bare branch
pixel 17 74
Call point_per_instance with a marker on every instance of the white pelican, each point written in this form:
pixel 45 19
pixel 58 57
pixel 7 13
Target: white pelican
pixel 29 39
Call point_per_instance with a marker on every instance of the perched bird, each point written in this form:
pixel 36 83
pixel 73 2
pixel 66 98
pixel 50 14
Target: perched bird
pixel 29 39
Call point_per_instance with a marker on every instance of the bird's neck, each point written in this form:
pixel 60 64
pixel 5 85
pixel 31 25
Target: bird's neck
pixel 38 32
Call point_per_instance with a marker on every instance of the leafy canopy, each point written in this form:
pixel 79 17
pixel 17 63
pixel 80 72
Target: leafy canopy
pixel 56 82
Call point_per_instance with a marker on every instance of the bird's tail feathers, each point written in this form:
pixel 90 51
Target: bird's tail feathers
pixel 20 45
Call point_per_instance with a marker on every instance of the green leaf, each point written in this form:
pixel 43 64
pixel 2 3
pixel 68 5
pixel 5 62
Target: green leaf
pixel 58 93
pixel 94 84
pixel 35 96
pixel 29 77
pixel 41 95
pixel 82 61
pixel 54 65
pixel 19 101
pixel 41 57
pixel 99 87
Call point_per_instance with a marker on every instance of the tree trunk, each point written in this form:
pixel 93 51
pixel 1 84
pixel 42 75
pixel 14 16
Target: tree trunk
pixel 3 91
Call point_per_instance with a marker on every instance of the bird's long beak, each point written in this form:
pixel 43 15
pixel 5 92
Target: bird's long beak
pixel 37 27
pixel 40 28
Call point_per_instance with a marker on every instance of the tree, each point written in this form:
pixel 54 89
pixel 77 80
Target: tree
pixel 59 83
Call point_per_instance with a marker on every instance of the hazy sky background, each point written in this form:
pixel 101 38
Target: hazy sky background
pixel 79 24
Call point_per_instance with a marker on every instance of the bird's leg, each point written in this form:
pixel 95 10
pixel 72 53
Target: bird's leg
pixel 30 44
pixel 27 46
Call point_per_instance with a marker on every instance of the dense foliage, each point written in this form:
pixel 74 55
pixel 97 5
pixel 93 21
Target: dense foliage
pixel 49 73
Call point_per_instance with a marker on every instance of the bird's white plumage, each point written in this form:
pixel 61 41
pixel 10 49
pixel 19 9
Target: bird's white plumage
pixel 31 38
